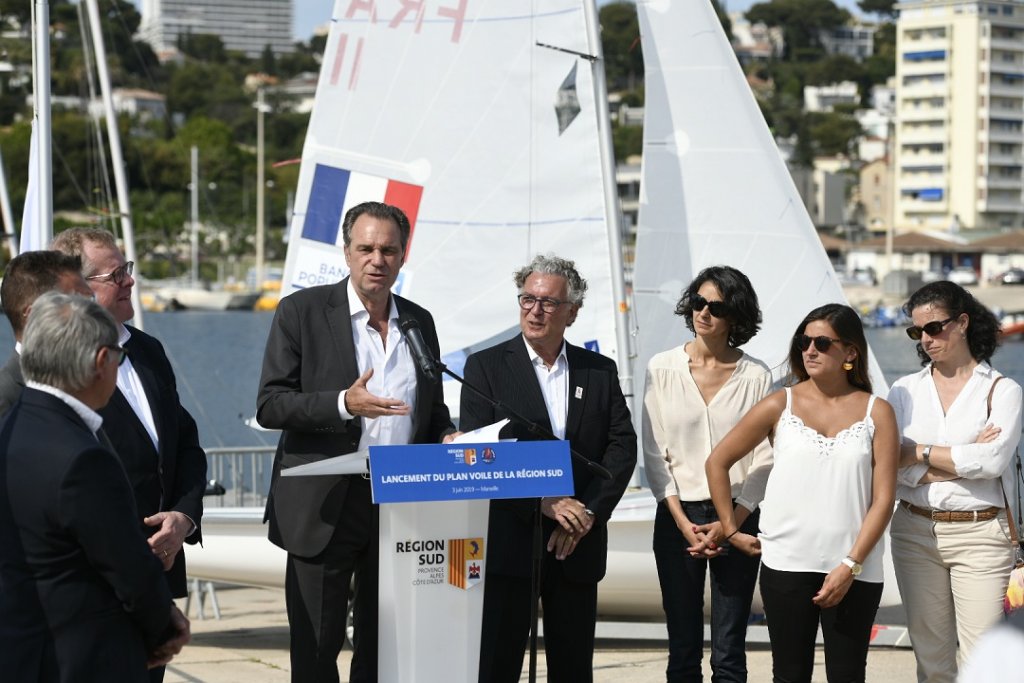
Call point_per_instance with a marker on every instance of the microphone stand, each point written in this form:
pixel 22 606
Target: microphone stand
pixel 538 535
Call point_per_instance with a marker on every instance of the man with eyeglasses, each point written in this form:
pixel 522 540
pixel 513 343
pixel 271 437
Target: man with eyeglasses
pixel 338 376
pixel 83 598
pixel 575 394
pixel 152 433
pixel 28 276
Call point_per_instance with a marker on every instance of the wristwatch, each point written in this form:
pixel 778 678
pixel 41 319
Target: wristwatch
pixel 926 455
pixel 855 567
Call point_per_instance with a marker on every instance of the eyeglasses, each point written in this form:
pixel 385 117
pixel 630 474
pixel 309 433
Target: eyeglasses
pixel 933 328
pixel 719 309
pixel 547 304
pixel 821 343
pixel 118 349
pixel 117 275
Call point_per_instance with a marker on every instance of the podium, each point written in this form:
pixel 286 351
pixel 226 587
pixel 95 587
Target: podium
pixel 433 545
pixel 433 542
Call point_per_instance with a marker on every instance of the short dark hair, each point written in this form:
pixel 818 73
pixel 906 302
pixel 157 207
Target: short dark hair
pixel 377 210
pixel 744 313
pixel 847 324
pixel 982 327
pixel 28 276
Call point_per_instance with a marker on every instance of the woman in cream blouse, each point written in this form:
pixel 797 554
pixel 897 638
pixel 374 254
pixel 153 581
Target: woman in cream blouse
pixel 695 394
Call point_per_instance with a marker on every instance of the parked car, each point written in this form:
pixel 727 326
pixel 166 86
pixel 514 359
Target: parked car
pixel 1014 276
pixel 963 275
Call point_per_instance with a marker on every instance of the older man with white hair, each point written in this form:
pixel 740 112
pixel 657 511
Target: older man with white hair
pixel 83 597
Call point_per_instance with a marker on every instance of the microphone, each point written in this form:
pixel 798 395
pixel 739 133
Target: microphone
pixel 424 358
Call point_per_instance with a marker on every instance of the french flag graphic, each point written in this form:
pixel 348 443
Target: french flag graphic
pixel 336 190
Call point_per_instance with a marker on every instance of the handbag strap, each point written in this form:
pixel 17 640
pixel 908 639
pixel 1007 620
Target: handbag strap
pixel 1009 510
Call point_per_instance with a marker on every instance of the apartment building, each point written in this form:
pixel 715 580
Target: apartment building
pixel 247 26
pixel 959 115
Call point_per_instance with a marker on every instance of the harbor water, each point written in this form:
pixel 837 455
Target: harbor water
pixel 217 358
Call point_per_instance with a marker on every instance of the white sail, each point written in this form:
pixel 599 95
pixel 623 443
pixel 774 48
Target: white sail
pixel 716 191
pixel 478 118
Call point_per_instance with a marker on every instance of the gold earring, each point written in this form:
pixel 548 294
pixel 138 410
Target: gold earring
pixel 847 365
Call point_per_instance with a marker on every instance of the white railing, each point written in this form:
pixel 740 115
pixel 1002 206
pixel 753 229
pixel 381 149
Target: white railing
pixel 244 473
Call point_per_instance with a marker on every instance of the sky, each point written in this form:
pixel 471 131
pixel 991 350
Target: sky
pixel 312 13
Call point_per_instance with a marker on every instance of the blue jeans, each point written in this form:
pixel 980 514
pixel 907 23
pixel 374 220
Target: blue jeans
pixel 682 579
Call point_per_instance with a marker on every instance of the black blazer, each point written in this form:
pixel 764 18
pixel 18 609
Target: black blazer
pixel 174 478
pixel 310 357
pixel 598 426
pixel 82 597
pixel 11 382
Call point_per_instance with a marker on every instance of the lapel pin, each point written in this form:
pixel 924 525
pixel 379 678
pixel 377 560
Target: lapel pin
pixel 579 392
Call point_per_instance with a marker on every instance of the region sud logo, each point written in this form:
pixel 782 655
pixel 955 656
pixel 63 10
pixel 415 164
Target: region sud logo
pixel 465 562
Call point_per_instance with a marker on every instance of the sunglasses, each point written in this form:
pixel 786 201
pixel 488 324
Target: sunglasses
pixel 933 328
pixel 719 309
pixel 821 343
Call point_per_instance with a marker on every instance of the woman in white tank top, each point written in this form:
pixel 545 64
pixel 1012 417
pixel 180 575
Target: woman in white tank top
pixel 828 500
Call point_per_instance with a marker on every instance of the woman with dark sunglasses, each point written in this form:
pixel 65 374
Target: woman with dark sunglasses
pixel 828 499
pixel 695 394
pixel 960 423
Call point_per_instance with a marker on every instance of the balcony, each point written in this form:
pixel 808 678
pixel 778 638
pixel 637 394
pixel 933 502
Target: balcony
pixel 920 114
pixel 938 135
pixel 1000 159
pixel 1008 44
pixel 994 182
pixel 1001 205
pixel 1009 136
pixel 1003 89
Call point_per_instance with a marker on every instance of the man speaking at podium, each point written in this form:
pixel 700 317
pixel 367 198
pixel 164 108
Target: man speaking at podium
pixel 338 376
pixel 575 394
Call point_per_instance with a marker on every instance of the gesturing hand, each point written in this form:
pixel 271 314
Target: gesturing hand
pixel 359 401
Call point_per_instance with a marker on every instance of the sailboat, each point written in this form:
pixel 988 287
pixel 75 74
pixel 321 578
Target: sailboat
pixel 486 122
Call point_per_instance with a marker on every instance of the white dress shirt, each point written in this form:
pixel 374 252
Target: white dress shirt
pixel 394 374
pixel 554 385
pixel 131 386
pixel 982 466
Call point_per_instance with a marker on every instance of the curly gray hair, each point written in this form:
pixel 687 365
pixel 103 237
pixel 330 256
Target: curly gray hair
pixel 553 265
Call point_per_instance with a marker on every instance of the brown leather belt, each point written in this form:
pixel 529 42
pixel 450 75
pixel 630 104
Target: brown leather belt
pixel 954 515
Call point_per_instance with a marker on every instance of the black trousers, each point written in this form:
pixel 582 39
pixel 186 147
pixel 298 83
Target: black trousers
pixel 793 626
pixel 317 593
pixel 570 617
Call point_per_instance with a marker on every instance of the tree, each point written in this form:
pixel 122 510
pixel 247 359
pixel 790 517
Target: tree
pixel 620 40
pixel 834 69
pixel 801 21
pixel 880 7
pixel 834 132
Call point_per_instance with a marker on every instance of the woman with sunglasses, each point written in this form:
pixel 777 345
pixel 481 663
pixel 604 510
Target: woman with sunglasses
pixel 695 394
pixel 829 497
pixel 960 422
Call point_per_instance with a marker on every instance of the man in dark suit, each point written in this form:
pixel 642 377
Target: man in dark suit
pixel 575 394
pixel 338 376
pixel 82 598
pixel 152 433
pixel 26 277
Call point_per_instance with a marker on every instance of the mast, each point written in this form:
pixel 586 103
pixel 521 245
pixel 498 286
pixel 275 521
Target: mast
pixel 612 210
pixel 8 215
pixel 43 225
pixel 116 154
pixel 194 197
pixel 260 188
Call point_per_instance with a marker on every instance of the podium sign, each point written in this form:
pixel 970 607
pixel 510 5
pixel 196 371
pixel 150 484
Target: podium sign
pixel 509 469
pixel 433 554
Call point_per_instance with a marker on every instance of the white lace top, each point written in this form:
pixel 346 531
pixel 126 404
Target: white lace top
pixel 818 494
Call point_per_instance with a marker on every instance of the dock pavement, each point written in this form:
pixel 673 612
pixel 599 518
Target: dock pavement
pixel 249 644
